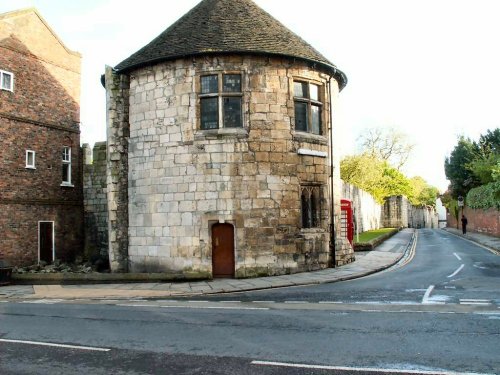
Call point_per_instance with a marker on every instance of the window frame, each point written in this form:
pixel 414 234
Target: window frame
pixel 221 95
pixel 11 86
pixel 33 164
pixel 310 103
pixel 66 163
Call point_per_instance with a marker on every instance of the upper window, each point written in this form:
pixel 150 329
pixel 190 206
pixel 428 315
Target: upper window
pixel 221 101
pixel 307 107
pixel 66 166
pixel 6 80
pixel 30 159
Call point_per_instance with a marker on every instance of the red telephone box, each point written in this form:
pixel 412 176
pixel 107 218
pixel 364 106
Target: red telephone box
pixel 346 220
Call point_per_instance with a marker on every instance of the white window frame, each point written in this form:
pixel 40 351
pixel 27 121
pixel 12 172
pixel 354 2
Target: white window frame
pixel 28 164
pixel 4 73
pixel 66 162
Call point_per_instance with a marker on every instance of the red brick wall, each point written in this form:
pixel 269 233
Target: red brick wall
pixel 19 226
pixel 478 220
pixel 42 115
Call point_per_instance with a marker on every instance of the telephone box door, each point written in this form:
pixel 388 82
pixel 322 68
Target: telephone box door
pixel 346 220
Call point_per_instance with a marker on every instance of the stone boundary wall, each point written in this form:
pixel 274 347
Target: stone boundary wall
pixel 479 220
pixel 367 212
pixel 95 202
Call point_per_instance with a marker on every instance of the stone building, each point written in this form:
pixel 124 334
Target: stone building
pixel 40 185
pixel 219 149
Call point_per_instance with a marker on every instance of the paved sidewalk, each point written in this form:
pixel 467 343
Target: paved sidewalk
pixel 383 256
pixel 489 241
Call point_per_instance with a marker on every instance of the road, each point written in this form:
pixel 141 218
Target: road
pixel 439 313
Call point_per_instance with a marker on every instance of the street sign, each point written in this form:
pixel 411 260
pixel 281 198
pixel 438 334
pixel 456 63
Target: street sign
pixel 460 200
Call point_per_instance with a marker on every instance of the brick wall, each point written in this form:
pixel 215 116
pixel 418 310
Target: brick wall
pixel 478 220
pixel 41 115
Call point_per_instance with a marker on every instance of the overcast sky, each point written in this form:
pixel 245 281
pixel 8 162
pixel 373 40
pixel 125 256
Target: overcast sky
pixel 430 68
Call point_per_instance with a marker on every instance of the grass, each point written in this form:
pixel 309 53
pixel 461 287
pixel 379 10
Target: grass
pixel 372 234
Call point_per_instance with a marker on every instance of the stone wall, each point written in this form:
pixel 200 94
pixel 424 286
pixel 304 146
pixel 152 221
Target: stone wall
pixel 182 180
pixel 118 132
pixel 367 212
pixel 395 212
pixel 422 217
pixel 95 202
pixel 478 220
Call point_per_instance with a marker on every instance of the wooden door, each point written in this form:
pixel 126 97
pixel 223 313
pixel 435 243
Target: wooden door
pixel 46 240
pixel 223 250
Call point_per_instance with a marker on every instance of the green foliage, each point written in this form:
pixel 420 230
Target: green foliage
pixel 485 196
pixel 456 167
pixel 378 178
pixel 422 193
pixel 486 168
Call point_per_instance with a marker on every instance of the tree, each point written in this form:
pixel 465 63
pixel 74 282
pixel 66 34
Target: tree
pixel 423 194
pixel 387 144
pixel 375 176
pixel 457 167
pixel 486 164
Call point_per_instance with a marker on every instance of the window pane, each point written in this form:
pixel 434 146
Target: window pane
pixel 231 83
pixel 66 156
pixel 301 116
pixel 7 81
pixel 65 172
pixel 304 203
pixel 314 93
pixel 209 84
pixel 300 90
pixel 316 119
pixel 232 113
pixel 209 113
pixel 30 160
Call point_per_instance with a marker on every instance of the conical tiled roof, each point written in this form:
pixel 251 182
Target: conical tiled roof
pixel 226 26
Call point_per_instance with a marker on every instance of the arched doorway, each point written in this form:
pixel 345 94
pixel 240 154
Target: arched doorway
pixel 222 250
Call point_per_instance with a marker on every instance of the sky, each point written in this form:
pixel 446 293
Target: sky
pixel 427 68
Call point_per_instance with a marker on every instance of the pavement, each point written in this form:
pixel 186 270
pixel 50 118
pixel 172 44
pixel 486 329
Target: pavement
pixel 398 249
pixel 490 242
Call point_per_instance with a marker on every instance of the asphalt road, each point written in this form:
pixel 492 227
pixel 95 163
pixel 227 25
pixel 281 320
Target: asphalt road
pixel 432 315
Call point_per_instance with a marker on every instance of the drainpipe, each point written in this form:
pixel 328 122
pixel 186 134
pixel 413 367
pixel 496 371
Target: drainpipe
pixel 332 196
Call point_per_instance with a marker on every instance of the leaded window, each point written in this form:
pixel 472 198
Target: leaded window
pixel 308 107
pixel 310 205
pixel 221 101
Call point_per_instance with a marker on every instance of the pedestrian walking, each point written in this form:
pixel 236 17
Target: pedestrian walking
pixel 464 224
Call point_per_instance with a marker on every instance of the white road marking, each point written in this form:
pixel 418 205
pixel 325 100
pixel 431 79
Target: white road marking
pixel 263 301
pixel 480 302
pixel 333 302
pixel 56 345
pixel 296 302
pixel 217 307
pixel 44 301
pixel 229 301
pixel 360 369
pixel 428 292
pixel 457 271
pixel 458 256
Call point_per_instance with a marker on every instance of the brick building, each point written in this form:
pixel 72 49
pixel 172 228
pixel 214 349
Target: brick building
pixel 219 149
pixel 41 202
